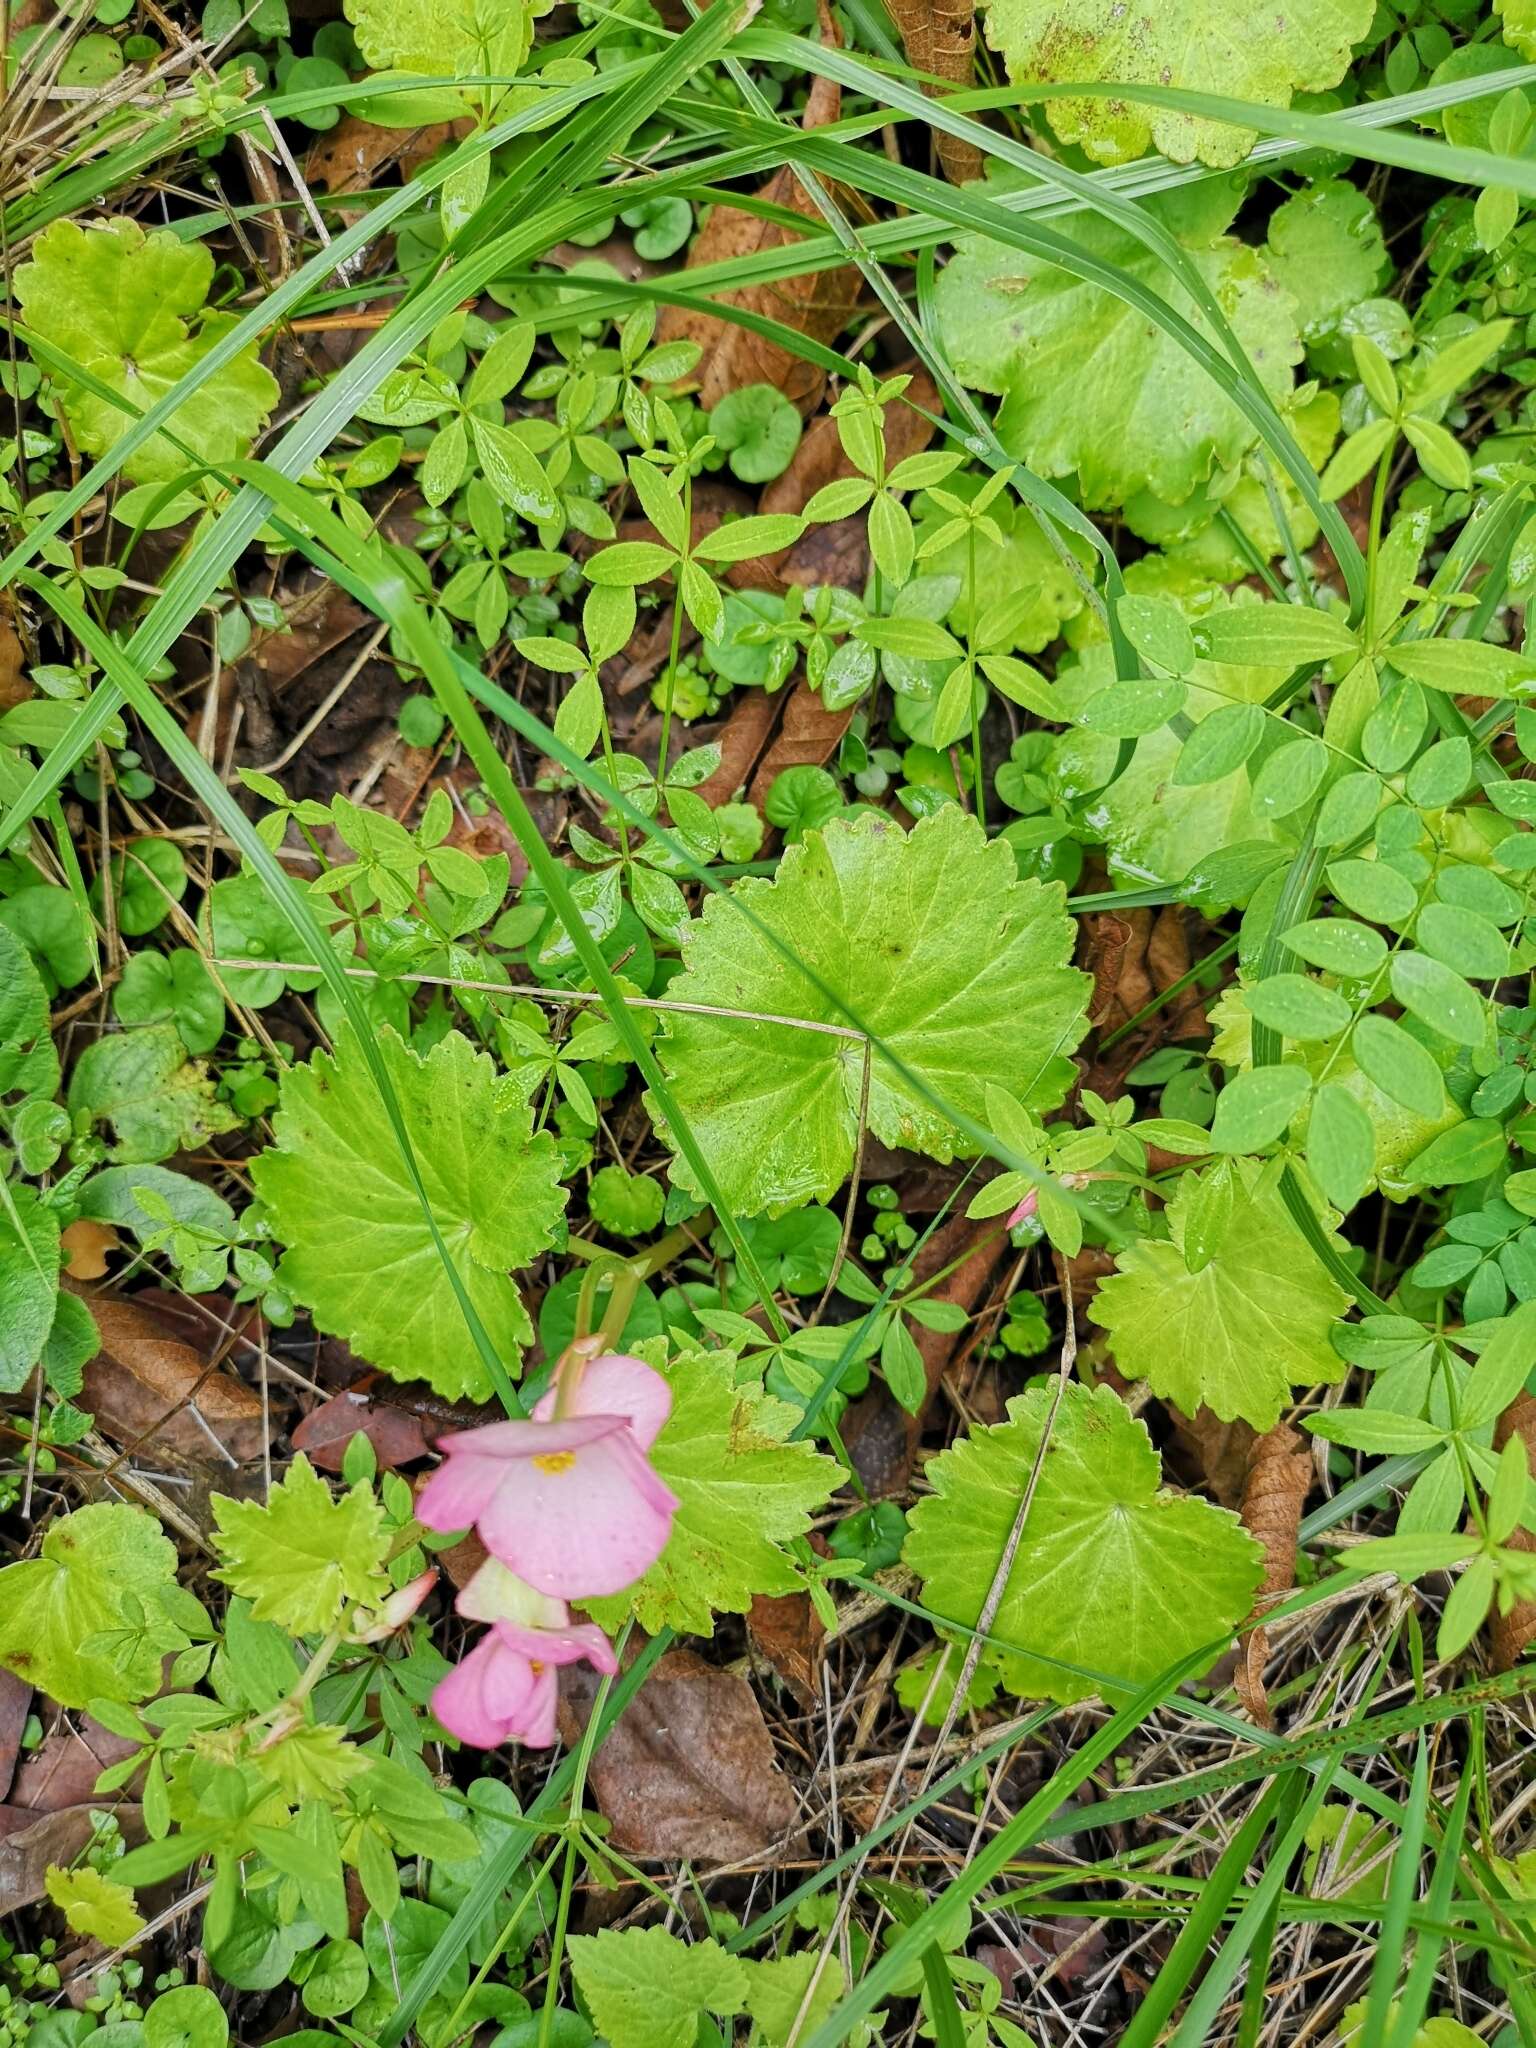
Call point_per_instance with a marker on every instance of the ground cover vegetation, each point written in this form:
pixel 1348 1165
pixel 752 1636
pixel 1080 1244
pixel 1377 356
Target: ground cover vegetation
pixel 767 1074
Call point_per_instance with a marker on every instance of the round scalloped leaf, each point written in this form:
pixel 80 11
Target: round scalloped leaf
pixel 1239 49
pixel 360 1254
pixel 1090 386
pixel 1237 1335
pixel 117 302
pixel 1115 1578
pixel 928 940
pixel 66 1622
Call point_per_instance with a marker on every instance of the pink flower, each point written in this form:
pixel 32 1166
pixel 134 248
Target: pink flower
pixel 567 1500
pixel 505 1690
pixel 1024 1211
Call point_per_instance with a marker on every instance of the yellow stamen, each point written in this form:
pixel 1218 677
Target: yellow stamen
pixel 555 1461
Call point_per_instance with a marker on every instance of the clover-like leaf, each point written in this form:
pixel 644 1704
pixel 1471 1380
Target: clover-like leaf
pixel 1090 386
pixel 66 1625
pixel 1239 1333
pixel 744 1489
pixel 120 304
pixel 360 1252
pixel 1243 49
pixel 1115 1578
pixel 301 1557
pixel 929 941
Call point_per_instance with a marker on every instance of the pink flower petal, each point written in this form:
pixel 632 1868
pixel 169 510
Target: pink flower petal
pixel 536 1722
pixel 617 1384
pixel 569 1645
pixel 590 1527
pixel 478 1462
pixel 482 1700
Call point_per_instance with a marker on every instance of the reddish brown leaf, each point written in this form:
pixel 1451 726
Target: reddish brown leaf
pixel 940 38
pixel 396 1435
pixel 14 686
pixel 1217 1452
pixel 350 156
pixel 145 1383
pixel 1279 1478
pixel 1513 1633
pixel 63 1771
pixel 819 304
pixel 741 739
pixel 688 1770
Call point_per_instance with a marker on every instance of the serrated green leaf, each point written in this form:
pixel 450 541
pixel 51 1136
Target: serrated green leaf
pixel 118 302
pixel 645 1988
pixel 1112 1575
pixel 157 1099
pixel 300 1558
pixel 1236 1336
pixel 1243 51
pixel 94 1905
pixel 360 1255
pixel 930 940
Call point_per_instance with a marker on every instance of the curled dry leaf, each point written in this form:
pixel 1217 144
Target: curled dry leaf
pixel 741 740
pixel 14 686
pixel 1134 956
pixel 688 1769
pixel 819 303
pixel 395 1433
pixel 145 1382
pixel 1513 1633
pixel 1216 1453
pixel 1279 1478
pixel 786 1630
pixel 939 37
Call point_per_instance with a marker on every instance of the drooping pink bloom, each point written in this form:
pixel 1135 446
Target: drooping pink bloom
pixel 567 1500
pixel 394 1612
pixel 1024 1211
pixel 505 1690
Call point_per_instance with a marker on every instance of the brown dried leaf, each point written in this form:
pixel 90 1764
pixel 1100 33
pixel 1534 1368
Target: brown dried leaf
pixel 1279 1479
pixel 350 156
pixel 1133 957
pixel 396 1435
pixel 15 1699
pixel 145 1382
pixel 939 37
pixel 1512 1634
pixel 63 1771
pixel 14 687
pixel 818 304
pixel 809 735
pixel 1217 1452
pixel 688 1770
pixel 740 740
pixel 786 1630
pixel 29 1845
